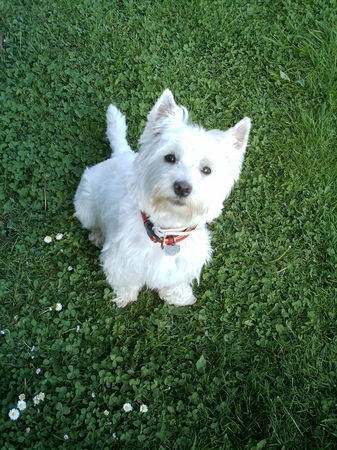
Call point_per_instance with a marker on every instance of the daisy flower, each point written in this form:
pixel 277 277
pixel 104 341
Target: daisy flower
pixel 28 430
pixel 2 332
pixel 13 414
pixel 65 437
pixel 59 236
pixel 93 395
pixel 36 400
pixel 58 307
pixel 38 370
pixel 22 396
pixel 47 239
pixel 127 407
pixel 70 269
pixel 41 396
pixel 78 329
pixel 21 405
pixel 33 349
pixel 143 409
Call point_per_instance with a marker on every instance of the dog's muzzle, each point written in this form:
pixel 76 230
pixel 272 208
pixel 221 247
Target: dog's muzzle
pixel 182 188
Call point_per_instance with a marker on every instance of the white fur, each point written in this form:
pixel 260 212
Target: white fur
pixel 112 193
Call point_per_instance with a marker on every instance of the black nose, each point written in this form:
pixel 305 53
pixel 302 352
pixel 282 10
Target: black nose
pixel 182 188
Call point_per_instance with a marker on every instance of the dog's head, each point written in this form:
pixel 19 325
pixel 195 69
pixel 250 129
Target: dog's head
pixel 183 173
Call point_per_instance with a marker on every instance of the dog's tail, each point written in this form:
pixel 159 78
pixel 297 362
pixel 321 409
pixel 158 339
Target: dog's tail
pixel 116 130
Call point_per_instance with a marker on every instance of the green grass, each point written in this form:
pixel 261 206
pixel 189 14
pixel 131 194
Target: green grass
pixel 253 363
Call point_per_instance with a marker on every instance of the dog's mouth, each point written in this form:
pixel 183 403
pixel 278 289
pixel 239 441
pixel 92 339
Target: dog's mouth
pixel 177 202
pixel 162 203
pixel 176 212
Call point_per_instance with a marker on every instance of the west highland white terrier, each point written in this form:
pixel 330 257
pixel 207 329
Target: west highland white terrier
pixel 148 210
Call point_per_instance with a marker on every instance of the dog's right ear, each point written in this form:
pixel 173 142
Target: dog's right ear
pixel 164 107
pixel 164 114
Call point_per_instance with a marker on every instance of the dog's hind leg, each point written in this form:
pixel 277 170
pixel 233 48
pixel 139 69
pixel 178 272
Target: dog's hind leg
pixel 85 207
pixel 96 237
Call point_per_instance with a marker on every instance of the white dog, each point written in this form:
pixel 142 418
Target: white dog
pixel 148 210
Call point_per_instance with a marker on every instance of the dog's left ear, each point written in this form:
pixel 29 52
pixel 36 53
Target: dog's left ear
pixel 240 133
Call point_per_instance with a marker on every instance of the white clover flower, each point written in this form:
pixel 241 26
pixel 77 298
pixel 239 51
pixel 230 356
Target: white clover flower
pixel 65 437
pixel 2 332
pixel 143 409
pixel 106 412
pixel 33 348
pixel 127 407
pixel 38 370
pixel 41 396
pixel 28 430
pixel 58 307
pixel 48 239
pixel 36 400
pixel 59 236
pixel 21 405
pixel 22 396
pixel 114 435
pixel 78 329
pixel 93 395
pixel 14 414
pixel 70 268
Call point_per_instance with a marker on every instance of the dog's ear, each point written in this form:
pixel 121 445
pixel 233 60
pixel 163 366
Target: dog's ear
pixel 240 133
pixel 164 113
pixel 165 106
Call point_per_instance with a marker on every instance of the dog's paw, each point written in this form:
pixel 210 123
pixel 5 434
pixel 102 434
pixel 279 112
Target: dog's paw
pixel 124 297
pixel 181 302
pixel 122 302
pixel 178 296
pixel 96 237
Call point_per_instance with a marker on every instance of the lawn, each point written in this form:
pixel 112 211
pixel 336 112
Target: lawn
pixel 253 364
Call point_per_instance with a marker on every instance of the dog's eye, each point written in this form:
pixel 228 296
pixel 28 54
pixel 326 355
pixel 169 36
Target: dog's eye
pixel 206 170
pixel 170 158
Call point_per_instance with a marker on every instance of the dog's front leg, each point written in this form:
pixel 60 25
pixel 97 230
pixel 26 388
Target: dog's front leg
pixel 180 295
pixel 125 295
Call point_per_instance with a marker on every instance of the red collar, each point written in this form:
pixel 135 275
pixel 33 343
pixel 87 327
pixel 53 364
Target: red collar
pixel 169 239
